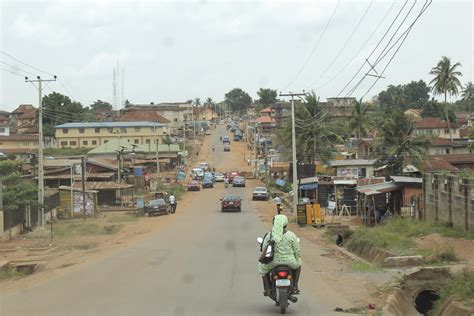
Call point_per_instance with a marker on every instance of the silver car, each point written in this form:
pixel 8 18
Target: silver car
pixel 219 177
pixel 260 193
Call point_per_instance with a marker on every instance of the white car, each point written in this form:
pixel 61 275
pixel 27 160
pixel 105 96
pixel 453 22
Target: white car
pixel 208 132
pixel 219 177
pixel 197 173
pixel 203 165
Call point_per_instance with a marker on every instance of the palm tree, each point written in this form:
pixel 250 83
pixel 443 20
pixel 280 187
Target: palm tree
pixel 197 102
pixel 398 145
pixel 359 121
pixel 209 102
pixel 446 81
pixel 316 137
pixel 467 93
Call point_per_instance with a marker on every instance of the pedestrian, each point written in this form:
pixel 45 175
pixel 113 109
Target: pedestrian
pixel 277 201
pixel 173 203
pixel 248 162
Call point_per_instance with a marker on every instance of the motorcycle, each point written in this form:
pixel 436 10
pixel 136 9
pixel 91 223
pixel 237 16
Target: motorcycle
pixel 282 283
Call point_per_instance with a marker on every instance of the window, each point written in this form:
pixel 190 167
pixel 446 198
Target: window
pixel 147 141
pixel 97 130
pixel 72 143
pixel 85 143
pixel 175 119
pixel 123 130
pixel 106 141
pixel 94 142
pixel 81 131
pixel 63 144
pixel 65 130
pixel 2 129
pixel 152 129
pixel 446 131
pixel 447 151
pixel 110 130
pixel 137 129
pixel 136 141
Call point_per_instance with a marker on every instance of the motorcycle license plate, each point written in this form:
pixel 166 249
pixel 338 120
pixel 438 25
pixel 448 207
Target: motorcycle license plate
pixel 282 282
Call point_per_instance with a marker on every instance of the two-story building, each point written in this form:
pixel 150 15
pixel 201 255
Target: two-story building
pixel 94 134
pixel 17 144
pixel 435 127
pixel 353 168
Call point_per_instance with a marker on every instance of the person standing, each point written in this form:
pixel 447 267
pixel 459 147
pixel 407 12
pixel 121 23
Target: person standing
pixel 173 203
pixel 248 162
pixel 277 201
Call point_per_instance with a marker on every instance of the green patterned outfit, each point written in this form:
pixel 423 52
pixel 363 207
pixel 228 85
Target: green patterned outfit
pixel 287 247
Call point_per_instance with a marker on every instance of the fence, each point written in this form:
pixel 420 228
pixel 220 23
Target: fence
pixel 449 199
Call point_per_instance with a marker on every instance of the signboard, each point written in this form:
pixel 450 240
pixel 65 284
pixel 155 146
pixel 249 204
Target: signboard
pixel 301 214
pixel 78 202
pixel 280 182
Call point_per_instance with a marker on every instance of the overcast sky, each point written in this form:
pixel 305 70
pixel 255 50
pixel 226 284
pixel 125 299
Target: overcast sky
pixel 173 51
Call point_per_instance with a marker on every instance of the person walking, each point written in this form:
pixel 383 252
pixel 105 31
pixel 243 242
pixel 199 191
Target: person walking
pixel 277 201
pixel 173 203
pixel 248 162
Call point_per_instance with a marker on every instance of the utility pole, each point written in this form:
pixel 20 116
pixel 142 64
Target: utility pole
pixel 255 148
pixel 157 157
pixel 40 147
pixel 293 145
pixel 83 178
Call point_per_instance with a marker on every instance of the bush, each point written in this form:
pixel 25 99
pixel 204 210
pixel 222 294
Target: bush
pixel 460 288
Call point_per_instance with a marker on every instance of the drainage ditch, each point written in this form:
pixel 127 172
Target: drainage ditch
pixel 425 300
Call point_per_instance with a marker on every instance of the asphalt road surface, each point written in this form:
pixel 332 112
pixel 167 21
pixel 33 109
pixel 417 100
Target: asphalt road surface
pixel 203 263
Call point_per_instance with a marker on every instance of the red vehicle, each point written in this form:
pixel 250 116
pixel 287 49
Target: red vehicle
pixel 194 185
pixel 231 175
pixel 231 203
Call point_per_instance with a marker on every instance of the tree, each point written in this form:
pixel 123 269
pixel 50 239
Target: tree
pixel 197 102
pixel 467 93
pixel 446 81
pixel 58 109
pixel 267 96
pixel 416 93
pixel 315 135
pixel 359 123
pixel 209 103
pixel 433 108
pixel 238 100
pixel 393 96
pixel 398 146
pixel 102 105
pixel 17 192
pixel 127 103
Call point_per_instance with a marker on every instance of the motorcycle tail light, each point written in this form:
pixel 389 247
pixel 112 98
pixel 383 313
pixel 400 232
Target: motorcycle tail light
pixel 282 274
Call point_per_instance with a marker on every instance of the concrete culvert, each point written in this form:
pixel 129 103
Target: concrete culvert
pixel 339 239
pixel 425 301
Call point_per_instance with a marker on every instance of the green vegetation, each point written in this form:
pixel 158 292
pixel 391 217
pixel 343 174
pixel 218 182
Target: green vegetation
pixel 65 151
pixel 10 273
pixel 17 192
pixel 397 236
pixel 360 266
pixel 460 288
pixel 238 100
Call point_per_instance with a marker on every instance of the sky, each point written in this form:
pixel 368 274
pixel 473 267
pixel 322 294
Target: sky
pixel 172 51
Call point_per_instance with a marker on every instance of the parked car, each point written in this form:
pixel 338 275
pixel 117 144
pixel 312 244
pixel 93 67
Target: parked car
pixel 208 132
pixel 209 175
pixel 158 206
pixel 238 181
pixel 203 165
pixel 260 193
pixel 226 139
pixel 231 203
pixel 219 177
pixel 231 175
pixel 197 173
pixel 194 185
pixel 207 183
pixel 226 147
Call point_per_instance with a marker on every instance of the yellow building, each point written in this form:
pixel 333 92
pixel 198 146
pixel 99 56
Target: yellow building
pixel 19 142
pixel 94 134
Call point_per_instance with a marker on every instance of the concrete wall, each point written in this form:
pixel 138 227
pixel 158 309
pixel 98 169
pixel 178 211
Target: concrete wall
pixel 449 199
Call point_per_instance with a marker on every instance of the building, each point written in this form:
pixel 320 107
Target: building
pixel 94 134
pixel 414 114
pixel 19 142
pixel 203 114
pixel 4 129
pixel 353 168
pixel 435 127
pixel 340 107
pixel 134 115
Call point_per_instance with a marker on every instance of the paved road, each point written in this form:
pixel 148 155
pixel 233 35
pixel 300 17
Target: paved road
pixel 203 263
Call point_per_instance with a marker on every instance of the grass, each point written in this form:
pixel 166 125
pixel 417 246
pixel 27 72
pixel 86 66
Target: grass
pixel 10 273
pixel 91 227
pixel 460 288
pixel 360 266
pixel 65 151
pixel 397 236
pixel 127 218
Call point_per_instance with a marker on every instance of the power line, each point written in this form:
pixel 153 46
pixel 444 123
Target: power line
pixel 314 47
pixel 13 73
pixel 67 91
pixel 361 48
pixel 424 8
pixel 346 43
pixel 375 48
pixel 18 69
pixel 25 64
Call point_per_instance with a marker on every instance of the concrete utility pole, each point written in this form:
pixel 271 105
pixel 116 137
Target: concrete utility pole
pixel 40 147
pixel 83 178
pixel 157 157
pixel 255 148
pixel 293 143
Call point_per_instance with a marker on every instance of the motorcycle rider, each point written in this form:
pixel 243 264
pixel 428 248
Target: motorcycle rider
pixel 287 252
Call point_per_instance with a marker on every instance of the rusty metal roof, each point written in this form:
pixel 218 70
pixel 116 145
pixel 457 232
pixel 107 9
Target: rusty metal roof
pixel 106 185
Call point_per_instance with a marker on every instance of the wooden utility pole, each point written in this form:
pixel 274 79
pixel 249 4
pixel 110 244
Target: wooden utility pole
pixel 83 178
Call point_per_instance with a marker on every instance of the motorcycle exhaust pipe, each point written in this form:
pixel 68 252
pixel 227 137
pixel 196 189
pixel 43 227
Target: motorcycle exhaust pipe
pixel 293 299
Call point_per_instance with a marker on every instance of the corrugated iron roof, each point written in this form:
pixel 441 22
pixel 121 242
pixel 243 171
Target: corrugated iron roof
pixel 106 185
pixel 378 188
pixel 110 124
